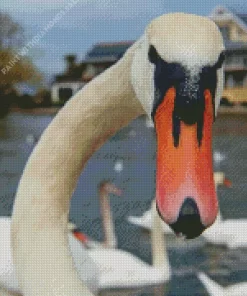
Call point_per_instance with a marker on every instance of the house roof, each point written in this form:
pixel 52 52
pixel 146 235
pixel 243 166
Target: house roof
pixel 243 17
pixel 233 45
pixel 108 50
pixel 235 14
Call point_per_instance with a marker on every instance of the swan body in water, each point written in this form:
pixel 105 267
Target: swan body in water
pixel 214 289
pixel 121 269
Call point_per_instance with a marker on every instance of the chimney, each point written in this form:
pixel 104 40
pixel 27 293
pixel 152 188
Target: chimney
pixel 70 62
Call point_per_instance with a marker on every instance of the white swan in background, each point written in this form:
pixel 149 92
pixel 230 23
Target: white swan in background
pixel 118 268
pixel 218 157
pixel 230 232
pixel 214 289
pixel 121 269
pixel 110 240
pixel 86 268
pixel 144 221
pixel 172 61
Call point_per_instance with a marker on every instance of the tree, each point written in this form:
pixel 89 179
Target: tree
pixel 11 33
pixel 15 67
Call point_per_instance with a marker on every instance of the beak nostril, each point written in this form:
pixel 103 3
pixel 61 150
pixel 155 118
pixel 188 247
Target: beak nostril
pixel 189 207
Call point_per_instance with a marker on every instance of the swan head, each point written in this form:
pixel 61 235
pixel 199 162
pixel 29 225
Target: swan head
pixel 177 75
pixel 106 187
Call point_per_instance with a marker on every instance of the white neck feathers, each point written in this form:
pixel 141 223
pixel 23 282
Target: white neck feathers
pixel 39 226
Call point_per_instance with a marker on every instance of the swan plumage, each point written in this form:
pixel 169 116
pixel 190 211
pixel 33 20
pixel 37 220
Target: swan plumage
pixel 41 255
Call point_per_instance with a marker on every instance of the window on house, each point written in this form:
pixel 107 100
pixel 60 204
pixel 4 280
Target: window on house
pixel 245 61
pixel 238 83
pixel 239 33
pixel 237 60
pixel 245 81
pixel 228 60
pixel 65 93
pixel 230 83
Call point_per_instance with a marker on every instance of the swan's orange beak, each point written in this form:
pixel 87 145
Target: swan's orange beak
pixel 185 190
pixel 81 236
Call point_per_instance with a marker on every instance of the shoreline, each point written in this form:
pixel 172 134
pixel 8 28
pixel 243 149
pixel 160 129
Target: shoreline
pixel 36 111
pixel 238 110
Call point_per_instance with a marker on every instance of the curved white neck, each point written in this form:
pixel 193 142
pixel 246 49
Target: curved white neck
pixel 39 225
pixel 110 240
pixel 159 251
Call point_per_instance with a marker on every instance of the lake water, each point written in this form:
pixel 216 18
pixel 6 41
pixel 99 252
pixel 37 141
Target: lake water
pixel 132 151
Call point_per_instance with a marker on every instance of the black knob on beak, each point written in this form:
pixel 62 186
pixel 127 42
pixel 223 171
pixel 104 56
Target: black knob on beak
pixel 189 222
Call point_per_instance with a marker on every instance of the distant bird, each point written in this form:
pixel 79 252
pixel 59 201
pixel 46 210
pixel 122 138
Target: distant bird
pixel 214 289
pixel 118 166
pixel 174 73
pixel 218 157
pixel 110 241
pixel 31 139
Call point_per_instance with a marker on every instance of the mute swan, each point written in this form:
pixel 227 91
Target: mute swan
pixel 174 74
pixel 214 289
pixel 121 269
pixel 110 241
pixel 84 265
pixel 145 220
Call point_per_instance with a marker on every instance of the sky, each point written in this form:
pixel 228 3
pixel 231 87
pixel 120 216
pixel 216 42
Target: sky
pixel 75 25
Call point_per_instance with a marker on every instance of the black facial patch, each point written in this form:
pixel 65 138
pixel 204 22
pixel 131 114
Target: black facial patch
pixel 189 103
pixel 221 60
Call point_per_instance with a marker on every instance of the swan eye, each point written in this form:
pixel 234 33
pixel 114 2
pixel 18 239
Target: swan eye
pixel 220 61
pixel 153 54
